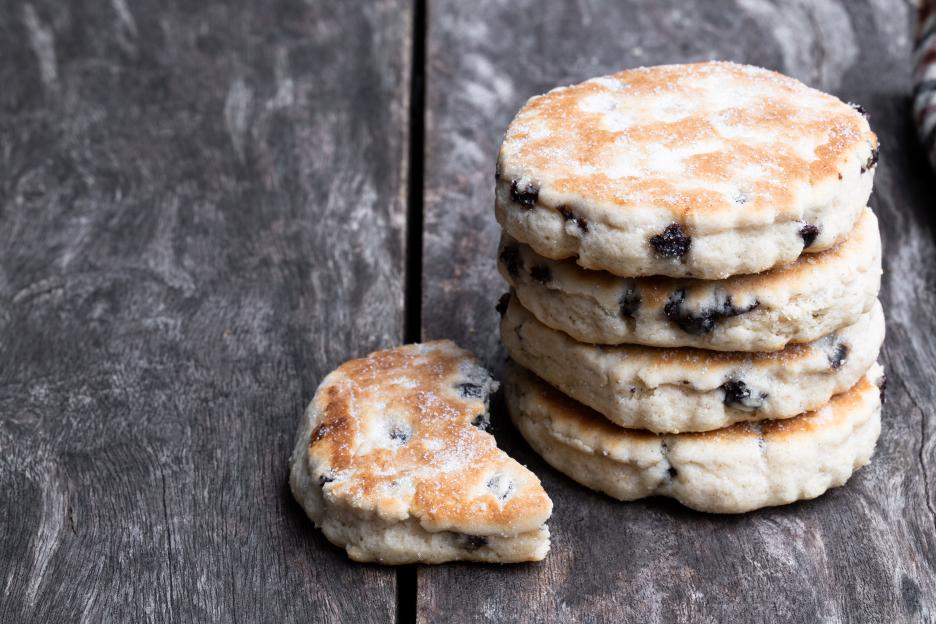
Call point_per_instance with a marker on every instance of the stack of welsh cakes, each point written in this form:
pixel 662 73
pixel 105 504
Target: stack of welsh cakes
pixel 694 276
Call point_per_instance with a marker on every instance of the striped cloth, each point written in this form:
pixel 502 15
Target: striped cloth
pixel 924 78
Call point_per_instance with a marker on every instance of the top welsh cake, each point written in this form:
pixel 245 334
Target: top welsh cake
pixel 704 170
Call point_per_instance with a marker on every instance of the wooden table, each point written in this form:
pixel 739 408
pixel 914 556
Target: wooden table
pixel 205 207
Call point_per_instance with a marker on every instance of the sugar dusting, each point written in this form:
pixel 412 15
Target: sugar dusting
pixel 708 129
pixel 403 441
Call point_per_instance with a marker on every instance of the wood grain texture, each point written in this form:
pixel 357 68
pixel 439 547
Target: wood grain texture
pixel 862 553
pixel 201 213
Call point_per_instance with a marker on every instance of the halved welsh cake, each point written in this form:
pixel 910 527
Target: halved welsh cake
pixel 393 463
pixel 739 468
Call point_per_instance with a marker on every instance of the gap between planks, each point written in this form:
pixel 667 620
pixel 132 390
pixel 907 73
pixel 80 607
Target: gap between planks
pixel 406 585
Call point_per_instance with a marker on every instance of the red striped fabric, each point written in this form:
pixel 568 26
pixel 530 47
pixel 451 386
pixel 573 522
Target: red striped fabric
pixel 924 78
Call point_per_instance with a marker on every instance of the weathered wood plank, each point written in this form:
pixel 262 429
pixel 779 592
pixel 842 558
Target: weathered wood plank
pixel 202 209
pixel 863 553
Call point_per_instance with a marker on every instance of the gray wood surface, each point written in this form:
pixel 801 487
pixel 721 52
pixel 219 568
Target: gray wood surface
pixel 862 553
pixel 202 211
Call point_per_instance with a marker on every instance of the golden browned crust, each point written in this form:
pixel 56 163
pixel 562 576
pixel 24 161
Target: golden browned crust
pixel 686 141
pixel 393 435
